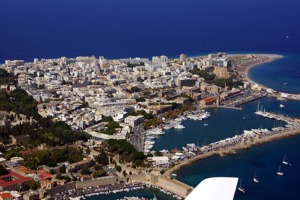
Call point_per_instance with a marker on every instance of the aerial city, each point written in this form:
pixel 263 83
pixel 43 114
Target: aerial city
pixel 135 100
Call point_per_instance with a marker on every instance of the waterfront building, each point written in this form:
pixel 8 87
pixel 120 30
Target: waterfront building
pixel 134 121
pixel 160 109
pixel 207 101
pixel 159 160
pixel 205 87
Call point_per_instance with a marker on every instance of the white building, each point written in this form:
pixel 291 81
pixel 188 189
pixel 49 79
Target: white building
pixel 134 120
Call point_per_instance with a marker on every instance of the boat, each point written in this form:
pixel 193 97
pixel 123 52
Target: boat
pixel 279 172
pixel 179 126
pixel 168 127
pixel 281 106
pixel 155 131
pixel 240 188
pixel 284 84
pixel 284 160
pixel 258 109
pixel 154 198
pixel 173 175
pixel 205 124
pixel 205 115
pixel 149 142
pixel 255 178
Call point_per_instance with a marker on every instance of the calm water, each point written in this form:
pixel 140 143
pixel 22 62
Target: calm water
pixel 118 28
pixel 264 159
pixel 146 193
pixel 134 28
pixel 225 123
pixel 285 70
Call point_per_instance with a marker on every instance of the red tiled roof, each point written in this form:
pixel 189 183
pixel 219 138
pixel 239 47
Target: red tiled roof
pixel 5 195
pixel 209 99
pixel 44 174
pixel 19 179
pixel 24 169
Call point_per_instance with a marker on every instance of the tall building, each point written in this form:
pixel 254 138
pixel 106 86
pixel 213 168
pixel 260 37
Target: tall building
pixel 182 57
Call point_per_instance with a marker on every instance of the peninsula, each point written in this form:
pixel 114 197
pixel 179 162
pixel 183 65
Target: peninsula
pixel 87 125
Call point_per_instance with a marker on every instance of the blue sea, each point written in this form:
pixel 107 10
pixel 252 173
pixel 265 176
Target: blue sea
pixel 134 28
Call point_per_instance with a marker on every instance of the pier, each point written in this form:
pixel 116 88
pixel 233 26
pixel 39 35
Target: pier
pixel 240 142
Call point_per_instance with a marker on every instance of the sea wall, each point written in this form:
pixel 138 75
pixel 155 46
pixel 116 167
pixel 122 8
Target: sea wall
pixel 110 180
pixel 62 188
pixel 171 185
pixel 233 149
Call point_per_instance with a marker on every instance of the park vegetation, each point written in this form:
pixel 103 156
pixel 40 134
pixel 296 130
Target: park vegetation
pixel 126 152
pixel 42 130
pixel 231 82
pixel 51 158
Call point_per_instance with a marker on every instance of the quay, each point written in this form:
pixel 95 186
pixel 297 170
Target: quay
pixel 240 142
pixel 114 184
pixel 230 107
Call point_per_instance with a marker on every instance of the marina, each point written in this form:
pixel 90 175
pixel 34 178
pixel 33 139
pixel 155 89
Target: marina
pixel 243 141
pixel 176 124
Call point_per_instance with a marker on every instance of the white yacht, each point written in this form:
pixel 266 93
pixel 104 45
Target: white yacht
pixel 240 188
pixel 155 131
pixel 179 126
pixel 284 160
pixel 255 178
pixel 279 172
pixel 149 142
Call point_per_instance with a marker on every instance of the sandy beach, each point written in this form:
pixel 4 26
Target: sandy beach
pixel 253 60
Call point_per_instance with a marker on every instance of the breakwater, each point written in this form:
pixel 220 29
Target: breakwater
pixel 246 140
pixel 234 148
pixel 113 184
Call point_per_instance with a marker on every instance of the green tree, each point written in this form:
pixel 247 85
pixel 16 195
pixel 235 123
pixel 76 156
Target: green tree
pixel 124 173
pixel 85 170
pixel 118 168
pixel 62 169
pixel 3 171
pixel 102 158
pixel 99 173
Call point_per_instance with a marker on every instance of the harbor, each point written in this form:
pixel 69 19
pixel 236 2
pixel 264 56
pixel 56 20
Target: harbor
pixel 152 134
pixel 243 141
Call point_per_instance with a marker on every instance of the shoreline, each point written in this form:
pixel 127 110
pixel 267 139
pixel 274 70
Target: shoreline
pixel 233 149
pixel 244 68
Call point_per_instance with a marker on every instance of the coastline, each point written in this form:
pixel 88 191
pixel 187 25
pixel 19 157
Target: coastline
pixel 233 149
pixel 244 68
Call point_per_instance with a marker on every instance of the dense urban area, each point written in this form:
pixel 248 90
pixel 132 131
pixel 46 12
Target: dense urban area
pixel 86 125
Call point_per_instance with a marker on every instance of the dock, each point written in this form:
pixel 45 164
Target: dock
pixel 244 141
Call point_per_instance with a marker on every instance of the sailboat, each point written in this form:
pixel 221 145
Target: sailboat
pixel 255 178
pixel 284 160
pixel 154 198
pixel 240 188
pixel 279 172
